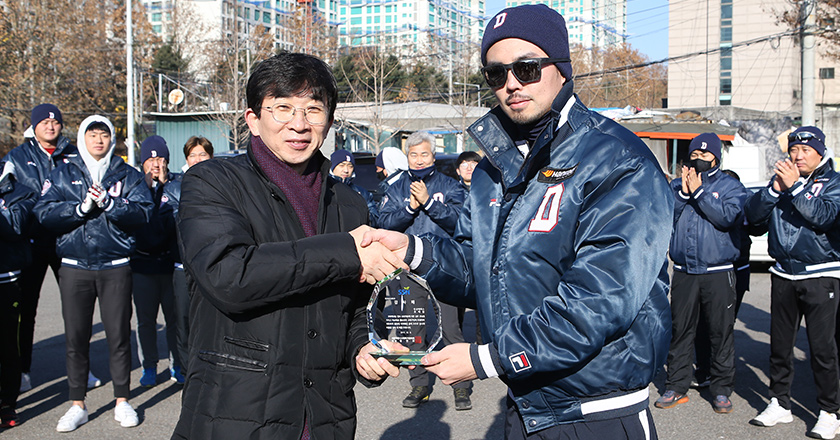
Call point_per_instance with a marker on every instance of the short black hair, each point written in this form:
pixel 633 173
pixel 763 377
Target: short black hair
pixel 732 174
pixel 99 126
pixel 467 156
pixel 290 74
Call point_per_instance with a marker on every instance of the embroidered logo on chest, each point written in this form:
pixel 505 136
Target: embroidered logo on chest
pixel 549 211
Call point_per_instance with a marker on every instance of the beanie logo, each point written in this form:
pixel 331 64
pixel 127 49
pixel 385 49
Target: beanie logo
pixel 52 115
pixel 154 153
pixel 500 20
pixel 703 146
pixel 347 158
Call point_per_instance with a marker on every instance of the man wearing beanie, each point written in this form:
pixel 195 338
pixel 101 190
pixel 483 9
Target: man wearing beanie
pixel 153 263
pixel 704 246
pixel 33 161
pixel 343 169
pixel 561 247
pixel 800 207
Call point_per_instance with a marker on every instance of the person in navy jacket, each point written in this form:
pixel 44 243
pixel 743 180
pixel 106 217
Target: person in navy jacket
pixel 16 203
pixel 94 203
pixel 561 246
pixel 424 201
pixel 800 207
pixel 342 169
pixel 705 244
pixel 41 152
pixel 153 264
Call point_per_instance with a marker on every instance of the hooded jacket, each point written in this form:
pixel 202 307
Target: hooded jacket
pixel 803 237
pixel 32 166
pixel 707 224
pixel 16 220
pixel 101 238
pixel 438 216
pixel 564 254
pixel 276 317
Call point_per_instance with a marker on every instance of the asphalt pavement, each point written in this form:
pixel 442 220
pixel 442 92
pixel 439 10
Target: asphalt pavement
pixel 380 414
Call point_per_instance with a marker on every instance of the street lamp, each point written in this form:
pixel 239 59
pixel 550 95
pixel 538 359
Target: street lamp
pixel 477 87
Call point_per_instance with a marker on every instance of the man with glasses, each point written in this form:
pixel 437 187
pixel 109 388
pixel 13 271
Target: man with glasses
pixel 561 246
pixel 465 165
pixel 270 247
pixel 800 207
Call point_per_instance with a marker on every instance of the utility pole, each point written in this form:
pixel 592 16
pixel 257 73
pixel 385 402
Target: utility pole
pixel 808 63
pixel 129 85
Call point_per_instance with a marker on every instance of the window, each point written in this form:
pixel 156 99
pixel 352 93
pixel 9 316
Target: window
pixel 355 11
pixel 827 73
pixel 157 28
pixel 156 16
pixel 725 101
pixel 725 10
pixel 267 17
pixel 726 34
pixel 355 20
pixel 725 86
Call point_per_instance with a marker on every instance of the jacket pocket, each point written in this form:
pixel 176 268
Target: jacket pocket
pixel 231 361
pixel 245 343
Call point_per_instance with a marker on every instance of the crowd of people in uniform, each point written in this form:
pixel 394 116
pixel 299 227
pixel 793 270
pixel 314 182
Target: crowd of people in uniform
pixel 556 235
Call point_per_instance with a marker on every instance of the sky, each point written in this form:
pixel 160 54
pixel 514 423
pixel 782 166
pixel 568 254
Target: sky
pixel 647 25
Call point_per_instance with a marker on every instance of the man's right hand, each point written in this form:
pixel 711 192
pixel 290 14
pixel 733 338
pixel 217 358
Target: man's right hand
pixel 397 242
pixel 377 260
pixel 87 204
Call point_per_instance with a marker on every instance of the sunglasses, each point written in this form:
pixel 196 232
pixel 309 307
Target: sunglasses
pixel 525 71
pixel 803 136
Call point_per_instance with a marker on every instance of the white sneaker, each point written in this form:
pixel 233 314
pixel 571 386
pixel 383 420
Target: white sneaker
pixel 25 382
pixel 773 414
pixel 126 415
pixel 827 426
pixel 74 417
pixel 93 381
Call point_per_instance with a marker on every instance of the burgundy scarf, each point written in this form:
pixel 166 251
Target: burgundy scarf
pixel 302 191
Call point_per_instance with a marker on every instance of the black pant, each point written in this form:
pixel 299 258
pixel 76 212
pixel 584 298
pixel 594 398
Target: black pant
pixel 816 300
pixel 182 315
pixel 633 427
pixel 79 290
pixel 702 346
pixel 715 294
pixel 9 355
pixel 31 280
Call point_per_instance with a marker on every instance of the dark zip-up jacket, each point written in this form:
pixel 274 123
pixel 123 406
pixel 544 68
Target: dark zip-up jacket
pixel 276 317
pixel 440 214
pixel 564 252
pixel 804 237
pixel 16 220
pixel 100 239
pixel 156 249
pixel 707 224
pixel 32 166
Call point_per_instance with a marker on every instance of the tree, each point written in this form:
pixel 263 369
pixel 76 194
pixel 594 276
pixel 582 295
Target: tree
pixel 640 87
pixel 826 14
pixel 169 59
pixel 71 54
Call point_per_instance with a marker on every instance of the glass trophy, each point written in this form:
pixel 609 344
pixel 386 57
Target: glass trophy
pixel 403 309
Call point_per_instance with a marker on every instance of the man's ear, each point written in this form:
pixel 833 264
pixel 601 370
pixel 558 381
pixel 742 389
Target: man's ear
pixel 252 119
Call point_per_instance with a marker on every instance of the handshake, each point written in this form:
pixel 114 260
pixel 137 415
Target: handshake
pixel 381 252
pixel 96 195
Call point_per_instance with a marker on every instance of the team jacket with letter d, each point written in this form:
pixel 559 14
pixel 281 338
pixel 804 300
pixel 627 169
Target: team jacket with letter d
pixel 99 239
pixel 564 254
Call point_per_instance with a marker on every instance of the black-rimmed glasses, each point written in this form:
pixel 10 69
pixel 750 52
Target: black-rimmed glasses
pixel 525 71
pixel 283 113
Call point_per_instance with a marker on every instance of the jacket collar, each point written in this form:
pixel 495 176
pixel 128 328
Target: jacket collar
pixel 492 134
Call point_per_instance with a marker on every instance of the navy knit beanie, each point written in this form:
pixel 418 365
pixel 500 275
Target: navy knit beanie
pixel 817 141
pixel 537 24
pixel 45 111
pixel 153 146
pixel 706 142
pixel 341 156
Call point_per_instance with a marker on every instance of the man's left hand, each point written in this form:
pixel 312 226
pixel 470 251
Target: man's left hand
pixel 374 369
pixel 420 192
pixel 452 364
